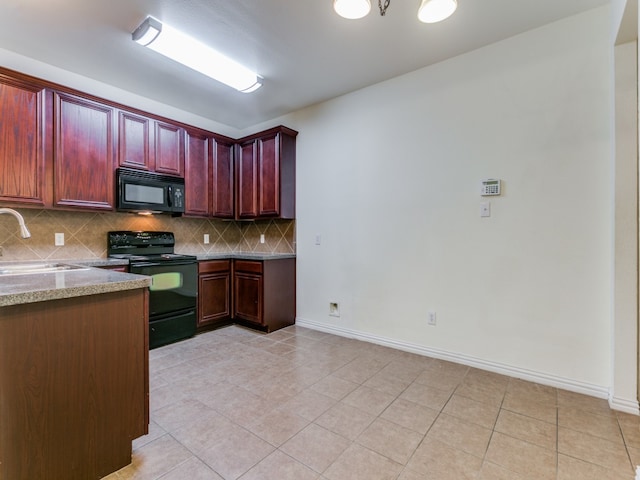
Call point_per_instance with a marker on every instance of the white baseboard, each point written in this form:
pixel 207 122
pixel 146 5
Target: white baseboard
pixel 509 370
pixel 624 405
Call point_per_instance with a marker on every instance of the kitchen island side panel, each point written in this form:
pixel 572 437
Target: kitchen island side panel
pixel 73 385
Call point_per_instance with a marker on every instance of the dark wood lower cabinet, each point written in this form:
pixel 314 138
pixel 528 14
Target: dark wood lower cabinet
pixel 248 297
pixel 265 293
pixel 74 385
pixel 214 293
pixel 262 293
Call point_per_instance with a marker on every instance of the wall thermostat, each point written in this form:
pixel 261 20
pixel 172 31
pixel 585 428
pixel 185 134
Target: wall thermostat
pixel 490 187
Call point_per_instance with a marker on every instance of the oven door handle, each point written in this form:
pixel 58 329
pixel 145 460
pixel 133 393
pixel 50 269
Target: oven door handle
pixel 161 264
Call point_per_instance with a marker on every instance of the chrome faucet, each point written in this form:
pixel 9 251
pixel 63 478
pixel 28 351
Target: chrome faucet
pixel 24 232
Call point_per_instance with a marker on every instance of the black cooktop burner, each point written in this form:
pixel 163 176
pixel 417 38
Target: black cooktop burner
pixel 144 247
pixel 155 258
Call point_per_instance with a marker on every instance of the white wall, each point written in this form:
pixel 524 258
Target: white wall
pixel 624 21
pixel 389 177
pixel 625 275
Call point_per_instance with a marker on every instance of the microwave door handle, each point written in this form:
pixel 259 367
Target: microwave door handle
pixel 170 196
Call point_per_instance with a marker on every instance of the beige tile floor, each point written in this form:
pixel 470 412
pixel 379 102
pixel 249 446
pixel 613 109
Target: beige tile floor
pixel 300 404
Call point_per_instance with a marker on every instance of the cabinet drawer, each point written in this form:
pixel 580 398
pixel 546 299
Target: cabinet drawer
pixel 248 266
pixel 213 266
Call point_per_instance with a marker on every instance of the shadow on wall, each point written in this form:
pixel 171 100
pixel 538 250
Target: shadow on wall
pixel 85 234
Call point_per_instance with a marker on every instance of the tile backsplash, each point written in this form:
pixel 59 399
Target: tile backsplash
pixel 85 234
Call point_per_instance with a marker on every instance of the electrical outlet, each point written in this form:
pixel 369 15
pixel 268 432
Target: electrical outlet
pixel 59 240
pixel 334 309
pixel 262 238
pixel 206 238
pixel 431 319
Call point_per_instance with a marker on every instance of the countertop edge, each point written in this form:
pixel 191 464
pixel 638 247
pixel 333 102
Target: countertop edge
pixel 67 285
pixel 245 256
pixel 57 294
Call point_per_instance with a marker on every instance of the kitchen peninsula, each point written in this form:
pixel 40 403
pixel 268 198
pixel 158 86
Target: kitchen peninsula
pixel 73 372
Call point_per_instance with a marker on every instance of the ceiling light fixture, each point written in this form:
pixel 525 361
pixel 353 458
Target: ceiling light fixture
pixel 430 11
pixel 352 9
pixel 177 46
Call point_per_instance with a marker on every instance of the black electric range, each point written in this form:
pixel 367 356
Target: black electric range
pixel 144 246
pixel 173 294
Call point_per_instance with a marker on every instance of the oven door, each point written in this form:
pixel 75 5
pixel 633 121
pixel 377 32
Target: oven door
pixel 174 285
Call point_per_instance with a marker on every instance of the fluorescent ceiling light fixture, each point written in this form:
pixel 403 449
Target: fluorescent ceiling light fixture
pixel 352 9
pixel 432 11
pixel 182 48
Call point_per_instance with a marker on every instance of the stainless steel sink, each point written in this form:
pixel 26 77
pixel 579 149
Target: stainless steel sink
pixel 30 268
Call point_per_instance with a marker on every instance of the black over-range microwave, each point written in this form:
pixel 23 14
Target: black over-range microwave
pixel 146 192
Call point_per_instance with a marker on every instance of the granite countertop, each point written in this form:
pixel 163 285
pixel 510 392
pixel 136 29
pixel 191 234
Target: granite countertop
pixel 99 262
pixel 114 262
pixel 40 287
pixel 246 256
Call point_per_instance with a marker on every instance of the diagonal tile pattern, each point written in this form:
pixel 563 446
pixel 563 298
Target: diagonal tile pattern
pixel 301 404
pixel 86 234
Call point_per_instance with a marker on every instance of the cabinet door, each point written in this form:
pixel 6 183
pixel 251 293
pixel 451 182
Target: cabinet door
pixel 169 149
pixel 269 176
pixel 222 173
pixel 247 180
pixel 265 171
pixel 83 155
pixel 247 291
pixel 133 141
pixel 196 174
pixel 22 143
pixel 213 297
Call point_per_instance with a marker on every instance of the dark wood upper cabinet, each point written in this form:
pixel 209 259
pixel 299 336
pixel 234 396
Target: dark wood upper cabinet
pixel 247 180
pixel 59 149
pixel 269 175
pixel 149 144
pixel 265 175
pixel 208 175
pixel 222 176
pixel 83 154
pixel 196 173
pixel 22 143
pixel 134 141
pixel 169 149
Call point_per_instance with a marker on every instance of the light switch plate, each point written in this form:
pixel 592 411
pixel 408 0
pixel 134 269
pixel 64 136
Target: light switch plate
pixel 485 209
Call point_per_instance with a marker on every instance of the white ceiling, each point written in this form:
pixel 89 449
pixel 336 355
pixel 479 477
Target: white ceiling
pixel 305 52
